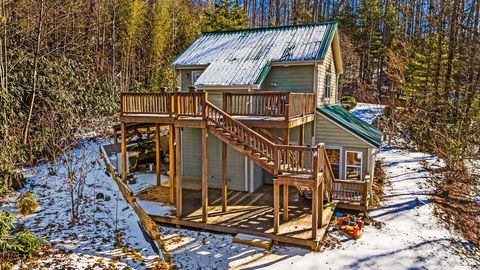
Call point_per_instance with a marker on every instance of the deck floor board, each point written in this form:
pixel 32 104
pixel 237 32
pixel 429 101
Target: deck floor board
pixel 246 213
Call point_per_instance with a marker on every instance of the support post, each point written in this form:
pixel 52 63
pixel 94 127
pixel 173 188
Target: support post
pixel 124 151
pixel 224 177
pixel 285 202
pixel 276 194
pixel 321 190
pixel 157 154
pixel 204 176
pixel 171 157
pixel 287 136
pixel 314 210
pixel 178 170
pixel 301 142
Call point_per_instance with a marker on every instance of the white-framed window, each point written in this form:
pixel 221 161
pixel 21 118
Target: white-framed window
pixel 328 85
pixel 353 165
pixel 334 154
pixel 195 76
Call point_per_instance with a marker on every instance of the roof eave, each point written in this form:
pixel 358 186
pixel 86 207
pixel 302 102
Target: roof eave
pixel 372 144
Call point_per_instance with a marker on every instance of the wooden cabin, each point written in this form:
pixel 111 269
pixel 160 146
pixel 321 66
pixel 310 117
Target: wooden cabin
pixel 255 123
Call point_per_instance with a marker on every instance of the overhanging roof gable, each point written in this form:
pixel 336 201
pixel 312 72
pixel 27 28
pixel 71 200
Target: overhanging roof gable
pixel 351 123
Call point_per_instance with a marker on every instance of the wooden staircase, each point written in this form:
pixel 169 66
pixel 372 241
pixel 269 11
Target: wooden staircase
pixel 299 162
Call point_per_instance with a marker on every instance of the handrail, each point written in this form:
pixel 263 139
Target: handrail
pixel 249 137
pixel 146 103
pixel 275 104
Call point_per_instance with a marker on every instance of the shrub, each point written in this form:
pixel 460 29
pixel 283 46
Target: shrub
pixel 348 102
pixel 27 203
pixel 14 244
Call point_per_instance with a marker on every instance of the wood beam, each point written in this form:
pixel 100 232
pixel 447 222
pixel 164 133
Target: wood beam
pixel 287 136
pixel 285 202
pixel 171 156
pixel 224 177
pixel 314 211
pixel 124 151
pixel 321 190
pixel 204 176
pixel 158 162
pixel 178 170
pixel 276 194
pixel 301 142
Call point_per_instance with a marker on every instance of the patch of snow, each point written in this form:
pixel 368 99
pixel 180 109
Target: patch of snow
pixel 146 180
pixel 367 111
pixel 156 208
pixel 91 241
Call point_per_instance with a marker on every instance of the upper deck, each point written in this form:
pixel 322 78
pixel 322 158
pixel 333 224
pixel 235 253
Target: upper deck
pixel 259 109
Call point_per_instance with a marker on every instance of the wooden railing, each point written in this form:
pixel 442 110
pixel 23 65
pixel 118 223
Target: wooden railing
pixel 297 159
pixel 349 191
pixel 178 103
pixel 190 103
pixel 275 104
pixel 146 103
pixel 301 104
pixel 247 136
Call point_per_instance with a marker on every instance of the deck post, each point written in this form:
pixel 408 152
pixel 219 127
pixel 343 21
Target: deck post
pixel 301 142
pixel 157 154
pixel 287 136
pixel 276 194
pixel 171 157
pixel 124 151
pixel 321 190
pixel 224 177
pixel 204 176
pixel 314 210
pixel 178 170
pixel 285 202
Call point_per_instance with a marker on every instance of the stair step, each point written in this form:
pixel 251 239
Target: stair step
pixel 226 134
pixel 263 158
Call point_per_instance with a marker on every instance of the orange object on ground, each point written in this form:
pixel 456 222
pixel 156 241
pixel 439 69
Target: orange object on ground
pixel 354 231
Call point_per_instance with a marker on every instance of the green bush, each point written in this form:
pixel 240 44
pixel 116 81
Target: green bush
pixel 27 203
pixel 348 102
pixel 15 245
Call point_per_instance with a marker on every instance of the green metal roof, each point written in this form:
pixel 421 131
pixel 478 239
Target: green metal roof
pixel 350 122
pixel 243 57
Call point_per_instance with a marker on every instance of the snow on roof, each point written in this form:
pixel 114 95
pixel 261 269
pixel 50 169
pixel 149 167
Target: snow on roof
pixel 238 57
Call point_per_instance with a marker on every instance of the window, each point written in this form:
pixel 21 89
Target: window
pixel 353 165
pixel 195 76
pixel 334 158
pixel 328 80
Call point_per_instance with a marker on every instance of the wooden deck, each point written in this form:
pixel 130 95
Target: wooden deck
pixel 248 213
pixel 185 109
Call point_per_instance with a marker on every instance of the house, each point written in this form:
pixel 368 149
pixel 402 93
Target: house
pixel 257 112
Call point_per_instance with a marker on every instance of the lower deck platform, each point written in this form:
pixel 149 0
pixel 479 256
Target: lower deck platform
pixel 247 213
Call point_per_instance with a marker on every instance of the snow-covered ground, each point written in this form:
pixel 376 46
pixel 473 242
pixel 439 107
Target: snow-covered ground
pixel 91 243
pixel 412 237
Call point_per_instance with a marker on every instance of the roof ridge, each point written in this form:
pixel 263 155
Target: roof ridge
pixel 270 28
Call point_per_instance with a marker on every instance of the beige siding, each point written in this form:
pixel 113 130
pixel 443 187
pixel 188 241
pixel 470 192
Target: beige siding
pixel 292 78
pixel 192 160
pixel 332 135
pixel 186 78
pixel 327 65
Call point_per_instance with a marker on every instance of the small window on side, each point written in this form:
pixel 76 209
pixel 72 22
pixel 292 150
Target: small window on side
pixel 353 165
pixel 195 76
pixel 328 81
